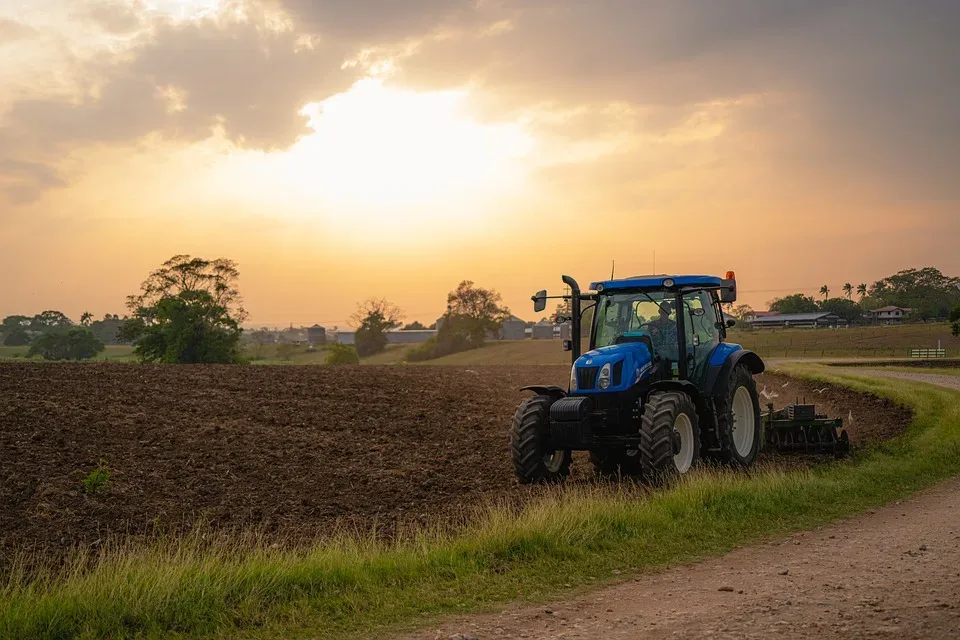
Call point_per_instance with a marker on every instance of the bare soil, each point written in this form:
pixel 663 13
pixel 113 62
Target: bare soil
pixel 893 573
pixel 290 451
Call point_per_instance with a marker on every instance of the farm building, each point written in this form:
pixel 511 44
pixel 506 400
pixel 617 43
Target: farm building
pixel 410 336
pixel 543 330
pixel 317 335
pixel 513 329
pixel 799 321
pixel 753 315
pixel 889 315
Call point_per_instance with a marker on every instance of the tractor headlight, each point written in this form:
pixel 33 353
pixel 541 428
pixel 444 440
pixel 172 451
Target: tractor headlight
pixel 573 378
pixel 603 380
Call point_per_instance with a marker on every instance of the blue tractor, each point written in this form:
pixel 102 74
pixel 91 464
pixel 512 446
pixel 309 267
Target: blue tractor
pixel 658 390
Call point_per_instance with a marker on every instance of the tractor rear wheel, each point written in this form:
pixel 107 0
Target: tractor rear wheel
pixel 738 419
pixel 669 435
pixel 616 463
pixel 532 461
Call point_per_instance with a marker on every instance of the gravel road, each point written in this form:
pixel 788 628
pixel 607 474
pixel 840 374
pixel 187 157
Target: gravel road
pixel 942 380
pixel 890 573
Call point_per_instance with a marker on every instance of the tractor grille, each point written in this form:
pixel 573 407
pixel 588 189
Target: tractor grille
pixel 587 377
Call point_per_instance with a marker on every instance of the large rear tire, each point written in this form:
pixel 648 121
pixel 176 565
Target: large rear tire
pixel 738 419
pixel 533 463
pixel 669 436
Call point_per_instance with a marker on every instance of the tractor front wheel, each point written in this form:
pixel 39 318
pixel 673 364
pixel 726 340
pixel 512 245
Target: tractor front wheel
pixel 669 435
pixel 738 419
pixel 533 462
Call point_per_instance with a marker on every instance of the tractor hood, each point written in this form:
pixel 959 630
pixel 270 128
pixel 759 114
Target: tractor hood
pixel 629 364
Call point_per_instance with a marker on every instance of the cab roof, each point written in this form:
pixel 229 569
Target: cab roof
pixel 656 282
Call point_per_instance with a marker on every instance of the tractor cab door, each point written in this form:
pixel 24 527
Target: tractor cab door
pixel 702 332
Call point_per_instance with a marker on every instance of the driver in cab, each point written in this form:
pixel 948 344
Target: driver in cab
pixel 663 330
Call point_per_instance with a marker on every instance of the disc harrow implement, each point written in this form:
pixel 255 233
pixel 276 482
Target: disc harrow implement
pixel 798 428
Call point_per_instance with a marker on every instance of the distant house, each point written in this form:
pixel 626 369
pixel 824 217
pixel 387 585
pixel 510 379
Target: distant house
pixel 816 320
pixel 889 315
pixel 317 335
pixel 750 316
pixel 513 329
pixel 543 330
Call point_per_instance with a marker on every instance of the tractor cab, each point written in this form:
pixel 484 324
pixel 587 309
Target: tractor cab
pixel 661 327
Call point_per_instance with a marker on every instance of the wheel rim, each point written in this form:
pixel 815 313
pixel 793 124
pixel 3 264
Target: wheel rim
pixel 683 428
pixel 553 460
pixel 744 422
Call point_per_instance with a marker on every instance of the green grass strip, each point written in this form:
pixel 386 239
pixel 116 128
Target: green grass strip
pixel 576 536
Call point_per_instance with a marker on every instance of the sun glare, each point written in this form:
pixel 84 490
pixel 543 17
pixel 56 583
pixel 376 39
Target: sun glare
pixel 389 157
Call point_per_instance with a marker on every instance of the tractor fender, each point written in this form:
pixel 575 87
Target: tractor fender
pixel 553 392
pixel 683 386
pixel 717 375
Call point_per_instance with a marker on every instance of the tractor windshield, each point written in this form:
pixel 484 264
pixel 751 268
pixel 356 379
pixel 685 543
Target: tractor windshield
pixel 632 314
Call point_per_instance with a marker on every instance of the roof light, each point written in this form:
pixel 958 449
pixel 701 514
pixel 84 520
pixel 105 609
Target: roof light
pixel 668 282
pixel 731 275
pixel 600 287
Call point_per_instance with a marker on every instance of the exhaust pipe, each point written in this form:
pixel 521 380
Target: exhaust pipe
pixel 575 319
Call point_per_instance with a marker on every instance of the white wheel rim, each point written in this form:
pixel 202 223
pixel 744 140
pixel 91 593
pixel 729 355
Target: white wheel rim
pixel 553 460
pixel 683 427
pixel 744 422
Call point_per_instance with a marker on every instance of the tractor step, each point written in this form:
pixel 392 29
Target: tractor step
pixel 798 428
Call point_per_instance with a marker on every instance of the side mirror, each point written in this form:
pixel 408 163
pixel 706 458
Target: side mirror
pixel 731 323
pixel 728 292
pixel 567 345
pixel 540 301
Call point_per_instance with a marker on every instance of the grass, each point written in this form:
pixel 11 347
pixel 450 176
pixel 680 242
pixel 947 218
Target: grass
pixel 857 342
pixel 575 536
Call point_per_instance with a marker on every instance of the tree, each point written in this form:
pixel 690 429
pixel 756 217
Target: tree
pixel 17 337
pixel 825 292
pixel 15 322
pixel 373 319
pixel 843 307
pixel 927 291
pixel 261 337
pixel 76 343
pixel 740 311
pixel 848 291
pixel 955 319
pixel 50 320
pixel 862 291
pixel 85 318
pixel 475 311
pixel 796 303
pixel 339 354
pixel 188 311
pixel 414 326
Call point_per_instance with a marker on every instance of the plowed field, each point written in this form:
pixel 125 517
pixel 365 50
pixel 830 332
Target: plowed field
pixel 291 451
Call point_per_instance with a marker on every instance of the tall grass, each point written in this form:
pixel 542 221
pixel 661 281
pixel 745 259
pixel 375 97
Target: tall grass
pixel 353 586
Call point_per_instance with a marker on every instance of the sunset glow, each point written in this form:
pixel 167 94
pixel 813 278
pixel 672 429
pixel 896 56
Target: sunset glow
pixel 395 148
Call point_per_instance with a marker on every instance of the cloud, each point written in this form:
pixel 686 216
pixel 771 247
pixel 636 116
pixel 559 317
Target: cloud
pixel 114 17
pixel 24 181
pixel 12 31
pixel 376 22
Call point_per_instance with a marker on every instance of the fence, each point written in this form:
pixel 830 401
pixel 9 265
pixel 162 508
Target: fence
pixel 928 353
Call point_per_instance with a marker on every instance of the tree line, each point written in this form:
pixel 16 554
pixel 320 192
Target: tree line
pixel 927 292
pixel 189 310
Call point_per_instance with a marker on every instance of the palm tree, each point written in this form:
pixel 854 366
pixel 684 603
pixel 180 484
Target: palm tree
pixel 862 291
pixel 825 292
pixel 848 290
pixel 85 319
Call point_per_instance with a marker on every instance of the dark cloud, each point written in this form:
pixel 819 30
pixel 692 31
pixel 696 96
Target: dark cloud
pixel 24 181
pixel 374 22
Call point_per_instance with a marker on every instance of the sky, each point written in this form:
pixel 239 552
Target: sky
pixel 392 148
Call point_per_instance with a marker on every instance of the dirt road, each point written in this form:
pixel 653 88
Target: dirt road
pixel 943 380
pixel 893 573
